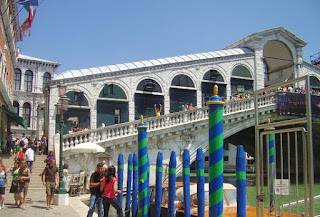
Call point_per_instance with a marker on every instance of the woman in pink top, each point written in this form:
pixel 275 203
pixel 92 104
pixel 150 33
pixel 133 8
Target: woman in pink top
pixel 109 187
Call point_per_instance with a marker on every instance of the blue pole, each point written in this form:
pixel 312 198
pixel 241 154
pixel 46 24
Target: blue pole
pixel 158 184
pixel 172 184
pixel 143 185
pixel 135 186
pixel 120 178
pixel 200 182
pixel 186 182
pixel 129 178
pixel 241 182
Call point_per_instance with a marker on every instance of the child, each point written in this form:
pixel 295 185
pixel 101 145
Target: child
pixel 3 184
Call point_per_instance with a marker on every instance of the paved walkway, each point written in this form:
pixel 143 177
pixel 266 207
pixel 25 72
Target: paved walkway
pixel 36 206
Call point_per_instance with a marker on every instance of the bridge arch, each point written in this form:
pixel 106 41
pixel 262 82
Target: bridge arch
pixel 241 82
pixel 112 105
pixel 148 93
pixel 279 62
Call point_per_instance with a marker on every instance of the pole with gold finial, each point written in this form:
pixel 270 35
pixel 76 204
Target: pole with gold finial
pixel 143 181
pixel 215 104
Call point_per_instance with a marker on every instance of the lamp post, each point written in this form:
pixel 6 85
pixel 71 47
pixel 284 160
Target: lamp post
pixel 61 106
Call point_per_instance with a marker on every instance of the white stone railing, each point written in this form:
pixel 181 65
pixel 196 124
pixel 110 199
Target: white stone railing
pixel 117 131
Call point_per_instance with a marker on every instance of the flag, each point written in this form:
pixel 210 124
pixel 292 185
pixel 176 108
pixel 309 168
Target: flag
pixel 25 28
pixel 28 2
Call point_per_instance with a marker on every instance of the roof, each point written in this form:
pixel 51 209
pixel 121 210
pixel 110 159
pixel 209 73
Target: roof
pixel 150 63
pixel 29 58
pixel 279 29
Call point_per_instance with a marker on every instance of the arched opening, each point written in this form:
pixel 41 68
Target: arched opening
pixel 315 84
pixel 16 107
pixel 211 78
pixel 26 113
pixel 77 117
pixel 112 106
pixel 46 78
pixel 182 91
pixel 28 79
pixel 17 79
pixel 241 83
pixel 148 94
pixel 279 64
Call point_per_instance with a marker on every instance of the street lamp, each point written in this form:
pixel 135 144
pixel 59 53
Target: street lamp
pixel 61 106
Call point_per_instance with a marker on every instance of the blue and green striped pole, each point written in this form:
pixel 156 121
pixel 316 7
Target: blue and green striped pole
pixel 135 185
pixel 200 182
pixel 271 168
pixel 120 177
pixel 172 184
pixel 186 182
pixel 129 179
pixel 142 170
pixel 215 154
pixel 241 182
pixel 158 184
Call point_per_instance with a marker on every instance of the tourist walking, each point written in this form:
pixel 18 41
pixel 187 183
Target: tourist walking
pixel 65 175
pixel 23 184
pixel 20 156
pixel 50 156
pixel 50 179
pixel 43 144
pixel 109 186
pixel 95 193
pixel 9 144
pixel 14 184
pixel 3 184
pixel 30 157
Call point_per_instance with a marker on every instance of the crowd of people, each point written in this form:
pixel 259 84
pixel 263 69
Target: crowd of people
pixel 78 129
pixel 21 177
pixel 104 191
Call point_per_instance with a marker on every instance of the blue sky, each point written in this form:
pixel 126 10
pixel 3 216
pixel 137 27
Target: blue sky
pixel 90 33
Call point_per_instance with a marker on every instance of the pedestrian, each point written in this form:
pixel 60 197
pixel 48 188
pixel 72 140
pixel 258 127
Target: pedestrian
pixel 36 145
pixel 43 144
pixel 3 184
pixel 102 124
pixel 20 156
pixel 30 157
pixel 2 163
pixel 50 179
pixel 95 193
pixel 9 144
pixel 24 141
pixel 156 110
pixel 109 186
pixel 14 184
pixel 16 146
pixel 49 157
pixel 23 184
pixel 65 175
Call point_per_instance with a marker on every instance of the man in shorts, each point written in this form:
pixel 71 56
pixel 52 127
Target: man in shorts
pixel 50 179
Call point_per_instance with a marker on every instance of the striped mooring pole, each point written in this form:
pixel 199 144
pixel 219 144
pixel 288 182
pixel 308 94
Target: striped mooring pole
pixel 241 182
pixel 158 184
pixel 172 184
pixel 143 165
pixel 271 168
pixel 200 182
pixel 186 182
pixel 135 185
pixel 129 179
pixel 215 104
pixel 120 178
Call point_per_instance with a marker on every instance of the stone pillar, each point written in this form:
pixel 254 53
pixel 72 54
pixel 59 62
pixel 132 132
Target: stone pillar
pixel 166 102
pixel 258 65
pixel 93 117
pixel 199 97
pixel 131 107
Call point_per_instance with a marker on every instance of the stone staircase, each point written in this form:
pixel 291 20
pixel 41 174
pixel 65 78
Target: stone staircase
pixel 38 166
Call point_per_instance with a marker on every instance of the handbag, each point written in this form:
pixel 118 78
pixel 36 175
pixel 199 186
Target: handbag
pixel 14 187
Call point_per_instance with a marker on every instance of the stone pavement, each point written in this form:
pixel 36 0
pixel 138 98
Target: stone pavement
pixel 36 206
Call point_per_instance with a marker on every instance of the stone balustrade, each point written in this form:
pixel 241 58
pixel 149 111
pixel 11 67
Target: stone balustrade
pixel 111 133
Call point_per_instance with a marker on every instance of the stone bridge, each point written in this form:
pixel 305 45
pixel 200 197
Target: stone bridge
pixel 172 132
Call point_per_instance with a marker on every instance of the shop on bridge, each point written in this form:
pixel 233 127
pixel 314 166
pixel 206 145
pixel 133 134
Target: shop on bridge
pixel 241 82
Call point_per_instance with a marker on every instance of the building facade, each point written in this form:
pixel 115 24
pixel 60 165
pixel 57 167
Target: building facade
pixel 9 26
pixel 122 92
pixel 30 78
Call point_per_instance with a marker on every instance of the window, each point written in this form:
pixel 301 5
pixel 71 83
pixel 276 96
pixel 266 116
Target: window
pixel 76 96
pixel 28 81
pixel 182 80
pixel 16 107
pixel 17 79
pixel 117 116
pixel 46 78
pixel 226 158
pixel 213 75
pixel 26 112
pixel 241 71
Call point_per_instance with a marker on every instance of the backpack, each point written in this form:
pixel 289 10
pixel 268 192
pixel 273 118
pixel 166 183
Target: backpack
pixel 22 143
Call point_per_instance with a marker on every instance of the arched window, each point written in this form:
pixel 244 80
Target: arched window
pixel 26 113
pixel 28 81
pixel 241 71
pixel 46 78
pixel 213 75
pixel 16 107
pixel 182 81
pixel 17 79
